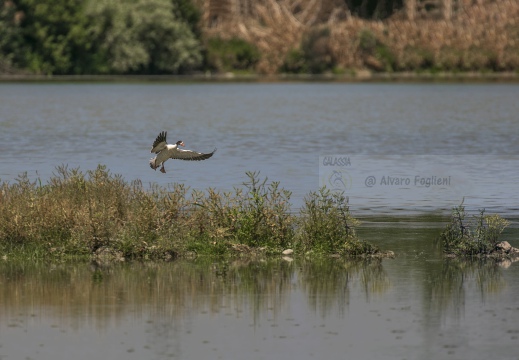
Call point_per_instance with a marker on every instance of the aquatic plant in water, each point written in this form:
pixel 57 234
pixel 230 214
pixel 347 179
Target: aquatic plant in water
pixel 326 226
pixel 477 237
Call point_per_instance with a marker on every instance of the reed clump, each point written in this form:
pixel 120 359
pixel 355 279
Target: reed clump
pixel 98 214
pixel 479 237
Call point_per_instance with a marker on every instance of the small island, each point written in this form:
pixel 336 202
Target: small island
pixel 476 238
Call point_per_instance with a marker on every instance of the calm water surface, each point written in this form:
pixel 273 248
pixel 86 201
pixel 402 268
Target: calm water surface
pixel 416 306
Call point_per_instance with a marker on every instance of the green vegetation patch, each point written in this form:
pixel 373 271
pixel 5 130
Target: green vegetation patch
pixel 100 37
pixel 230 55
pixel 313 56
pixel 326 226
pixel 376 55
pixel 479 237
pixel 99 215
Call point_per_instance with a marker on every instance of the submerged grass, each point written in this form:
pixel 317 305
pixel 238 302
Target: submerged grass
pixel 99 214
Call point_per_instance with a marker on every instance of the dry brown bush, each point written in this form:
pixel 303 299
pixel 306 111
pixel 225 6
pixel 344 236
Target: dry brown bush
pixel 479 36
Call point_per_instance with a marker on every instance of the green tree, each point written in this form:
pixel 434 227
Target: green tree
pixel 189 12
pixel 53 32
pixel 11 40
pixel 143 36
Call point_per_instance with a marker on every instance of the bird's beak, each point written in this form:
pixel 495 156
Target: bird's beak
pixel 182 144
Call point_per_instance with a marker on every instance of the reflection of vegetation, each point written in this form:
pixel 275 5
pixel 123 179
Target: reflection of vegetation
pixel 476 238
pixel 327 281
pixel 449 285
pixel 166 290
pixel 99 214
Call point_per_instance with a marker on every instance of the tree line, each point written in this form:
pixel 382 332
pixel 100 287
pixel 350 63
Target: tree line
pixel 125 37
pixel 100 37
pixel 79 37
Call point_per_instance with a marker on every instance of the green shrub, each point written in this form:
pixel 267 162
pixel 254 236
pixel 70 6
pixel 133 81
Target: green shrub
pixel 295 62
pixel 257 215
pixel 316 50
pixel 233 54
pixel 326 226
pixel 376 54
pixel 471 238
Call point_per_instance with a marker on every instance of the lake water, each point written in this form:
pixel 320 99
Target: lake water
pixel 416 306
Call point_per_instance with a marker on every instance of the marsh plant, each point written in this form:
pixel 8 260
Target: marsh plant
pixel 477 237
pixel 325 225
pixel 257 215
pixel 100 214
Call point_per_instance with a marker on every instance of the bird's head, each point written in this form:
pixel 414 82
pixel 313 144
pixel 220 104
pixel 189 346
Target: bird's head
pixel 180 143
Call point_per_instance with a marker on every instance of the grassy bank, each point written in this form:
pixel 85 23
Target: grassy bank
pixel 98 214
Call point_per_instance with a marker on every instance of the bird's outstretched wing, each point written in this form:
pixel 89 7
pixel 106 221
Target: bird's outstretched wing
pixel 191 155
pixel 159 143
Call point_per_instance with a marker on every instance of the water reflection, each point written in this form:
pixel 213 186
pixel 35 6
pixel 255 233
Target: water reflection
pixel 451 283
pixel 177 289
pixel 413 307
pixel 104 294
pixel 328 282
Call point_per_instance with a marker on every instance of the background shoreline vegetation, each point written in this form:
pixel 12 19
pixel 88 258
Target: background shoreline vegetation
pixel 99 215
pixel 268 37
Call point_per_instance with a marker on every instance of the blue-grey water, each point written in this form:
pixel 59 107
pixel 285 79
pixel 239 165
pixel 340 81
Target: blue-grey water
pixel 416 306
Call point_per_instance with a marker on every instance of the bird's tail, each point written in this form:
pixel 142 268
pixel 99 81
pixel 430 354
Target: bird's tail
pixel 153 164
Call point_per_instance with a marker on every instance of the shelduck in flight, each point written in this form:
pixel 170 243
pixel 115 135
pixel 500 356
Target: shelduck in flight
pixel 167 151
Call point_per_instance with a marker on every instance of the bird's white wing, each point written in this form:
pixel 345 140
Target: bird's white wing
pixel 160 143
pixel 191 155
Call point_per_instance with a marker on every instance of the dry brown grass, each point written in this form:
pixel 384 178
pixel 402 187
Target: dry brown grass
pixel 478 37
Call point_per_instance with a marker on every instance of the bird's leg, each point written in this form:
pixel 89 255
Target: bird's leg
pixel 162 170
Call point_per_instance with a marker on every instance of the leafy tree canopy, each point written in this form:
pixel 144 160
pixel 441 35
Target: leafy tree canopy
pixel 99 36
pixel 143 36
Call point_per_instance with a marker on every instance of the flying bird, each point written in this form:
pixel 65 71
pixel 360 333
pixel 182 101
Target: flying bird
pixel 167 151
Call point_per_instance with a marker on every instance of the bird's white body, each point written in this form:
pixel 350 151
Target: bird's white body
pixel 167 151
